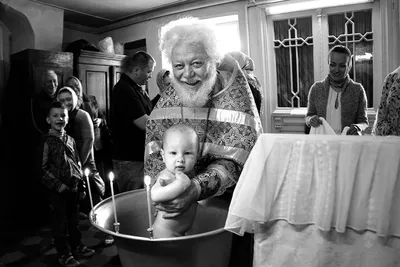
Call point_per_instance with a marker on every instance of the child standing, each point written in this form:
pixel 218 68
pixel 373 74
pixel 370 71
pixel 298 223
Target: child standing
pixel 180 153
pixel 62 175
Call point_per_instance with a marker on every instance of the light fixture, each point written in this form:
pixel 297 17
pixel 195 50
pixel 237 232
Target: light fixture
pixel 293 5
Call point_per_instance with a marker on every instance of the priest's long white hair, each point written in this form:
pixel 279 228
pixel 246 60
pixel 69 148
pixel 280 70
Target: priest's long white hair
pixel 189 30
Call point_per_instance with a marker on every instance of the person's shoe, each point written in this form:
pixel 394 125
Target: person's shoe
pixel 109 240
pixel 83 251
pixel 68 260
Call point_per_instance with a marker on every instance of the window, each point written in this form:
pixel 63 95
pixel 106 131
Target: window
pixel 293 44
pixel 300 43
pixel 227 28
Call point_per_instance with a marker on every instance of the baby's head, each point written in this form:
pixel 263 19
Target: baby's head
pixel 180 148
pixel 57 116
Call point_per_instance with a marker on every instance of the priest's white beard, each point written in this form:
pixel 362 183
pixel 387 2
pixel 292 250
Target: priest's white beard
pixel 200 97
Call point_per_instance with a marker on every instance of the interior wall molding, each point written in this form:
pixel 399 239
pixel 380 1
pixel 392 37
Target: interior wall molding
pixel 150 15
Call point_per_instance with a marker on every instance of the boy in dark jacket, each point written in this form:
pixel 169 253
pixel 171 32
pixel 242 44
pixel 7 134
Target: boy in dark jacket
pixel 62 175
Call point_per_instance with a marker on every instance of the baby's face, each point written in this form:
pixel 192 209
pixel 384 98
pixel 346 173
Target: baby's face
pixel 180 152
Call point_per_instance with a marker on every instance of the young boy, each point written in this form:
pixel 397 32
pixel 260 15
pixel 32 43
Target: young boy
pixel 180 154
pixel 62 175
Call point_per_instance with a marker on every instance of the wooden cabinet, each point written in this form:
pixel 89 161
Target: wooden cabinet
pixel 28 66
pixel 99 72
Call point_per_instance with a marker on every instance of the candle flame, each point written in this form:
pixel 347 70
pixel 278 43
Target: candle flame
pixel 111 176
pixel 87 172
pixel 147 180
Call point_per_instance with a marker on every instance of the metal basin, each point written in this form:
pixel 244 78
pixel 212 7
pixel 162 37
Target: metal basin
pixel 206 244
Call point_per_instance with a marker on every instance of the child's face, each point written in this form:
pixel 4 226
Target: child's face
pixel 58 118
pixel 180 152
pixel 67 100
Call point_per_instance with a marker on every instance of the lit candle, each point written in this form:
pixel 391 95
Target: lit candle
pixel 111 177
pixel 87 172
pixel 147 181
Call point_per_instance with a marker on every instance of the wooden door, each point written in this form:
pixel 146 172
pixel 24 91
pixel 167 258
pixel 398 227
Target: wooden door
pixel 96 81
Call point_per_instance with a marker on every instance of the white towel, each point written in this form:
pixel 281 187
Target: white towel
pixel 325 128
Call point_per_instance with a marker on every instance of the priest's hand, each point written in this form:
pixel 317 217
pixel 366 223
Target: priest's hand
pixel 180 204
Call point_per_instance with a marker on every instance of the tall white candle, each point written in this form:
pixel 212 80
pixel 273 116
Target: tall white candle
pixel 87 172
pixel 111 177
pixel 147 181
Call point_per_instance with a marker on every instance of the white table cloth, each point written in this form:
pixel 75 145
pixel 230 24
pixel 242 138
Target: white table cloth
pixel 320 200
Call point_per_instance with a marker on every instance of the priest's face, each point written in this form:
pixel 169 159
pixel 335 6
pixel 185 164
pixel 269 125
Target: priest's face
pixel 194 74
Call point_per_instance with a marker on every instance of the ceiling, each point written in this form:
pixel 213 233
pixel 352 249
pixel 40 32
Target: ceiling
pixel 99 13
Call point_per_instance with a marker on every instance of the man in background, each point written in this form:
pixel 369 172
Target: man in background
pixel 42 102
pixel 130 108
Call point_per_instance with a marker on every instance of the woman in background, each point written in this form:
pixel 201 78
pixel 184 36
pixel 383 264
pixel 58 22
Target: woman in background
pixel 102 144
pixel 387 120
pixel 163 81
pixel 98 152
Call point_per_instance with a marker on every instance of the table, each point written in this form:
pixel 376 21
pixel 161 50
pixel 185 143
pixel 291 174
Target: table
pixel 320 200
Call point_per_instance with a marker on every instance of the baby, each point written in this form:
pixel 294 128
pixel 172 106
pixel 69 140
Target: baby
pixel 180 148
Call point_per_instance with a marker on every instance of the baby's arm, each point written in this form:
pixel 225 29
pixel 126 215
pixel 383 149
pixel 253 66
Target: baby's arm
pixel 161 192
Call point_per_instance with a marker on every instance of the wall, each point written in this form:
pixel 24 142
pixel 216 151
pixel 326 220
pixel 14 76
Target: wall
pixel 148 29
pixel 5 47
pixel 46 22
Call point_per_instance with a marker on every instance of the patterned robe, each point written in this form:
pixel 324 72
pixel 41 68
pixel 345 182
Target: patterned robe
pixel 228 127
pixel 387 120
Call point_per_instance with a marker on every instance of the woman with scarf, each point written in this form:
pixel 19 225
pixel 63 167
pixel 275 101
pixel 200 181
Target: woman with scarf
pixel 338 99
pixel 83 122
pixel 102 144
pixel 163 81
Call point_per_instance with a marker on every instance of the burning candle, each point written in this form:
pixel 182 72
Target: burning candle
pixel 111 177
pixel 147 181
pixel 87 172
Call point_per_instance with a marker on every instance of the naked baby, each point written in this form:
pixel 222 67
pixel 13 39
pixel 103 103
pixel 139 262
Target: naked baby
pixel 180 149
